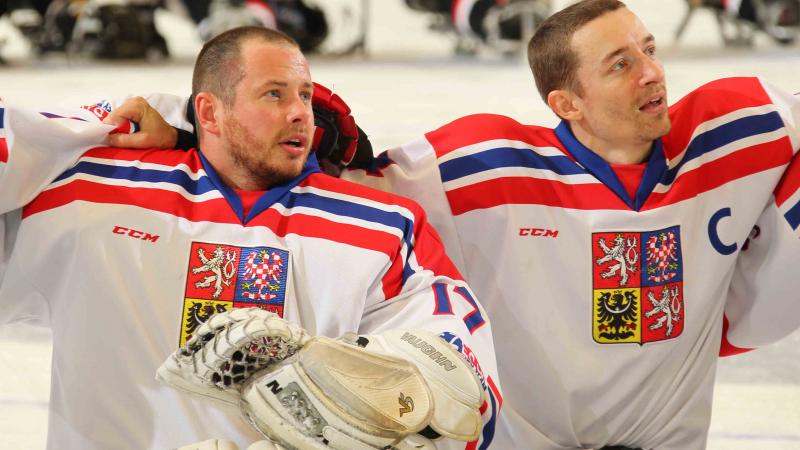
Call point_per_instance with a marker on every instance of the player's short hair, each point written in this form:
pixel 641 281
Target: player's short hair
pixel 552 59
pixel 219 67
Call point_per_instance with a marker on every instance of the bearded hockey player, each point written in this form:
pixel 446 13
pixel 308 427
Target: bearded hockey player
pixel 126 254
pixel 626 248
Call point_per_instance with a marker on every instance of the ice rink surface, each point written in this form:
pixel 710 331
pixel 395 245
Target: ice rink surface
pixel 410 82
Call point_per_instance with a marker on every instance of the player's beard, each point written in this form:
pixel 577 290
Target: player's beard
pixel 656 128
pixel 258 158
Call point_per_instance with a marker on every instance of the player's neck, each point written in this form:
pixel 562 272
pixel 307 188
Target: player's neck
pixel 231 172
pixel 615 152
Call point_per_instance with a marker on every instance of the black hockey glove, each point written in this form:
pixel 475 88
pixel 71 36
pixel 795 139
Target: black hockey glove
pixel 338 139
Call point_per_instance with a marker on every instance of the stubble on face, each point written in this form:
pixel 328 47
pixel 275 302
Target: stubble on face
pixel 616 102
pixel 258 158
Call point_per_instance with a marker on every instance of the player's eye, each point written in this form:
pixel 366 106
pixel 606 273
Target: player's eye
pixel 273 93
pixel 619 65
pixel 306 96
pixel 651 51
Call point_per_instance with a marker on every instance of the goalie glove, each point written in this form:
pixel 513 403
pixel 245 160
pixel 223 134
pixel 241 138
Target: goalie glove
pixel 320 393
pixel 337 138
pixel 226 350
pixel 333 394
pixel 457 391
pixel 230 346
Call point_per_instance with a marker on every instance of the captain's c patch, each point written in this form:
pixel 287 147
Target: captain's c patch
pixel 221 277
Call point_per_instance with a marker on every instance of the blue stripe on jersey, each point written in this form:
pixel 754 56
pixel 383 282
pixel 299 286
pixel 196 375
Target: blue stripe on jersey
pixel 269 198
pixel 379 163
pixel 500 157
pixel 474 319
pixel 656 166
pixel 177 177
pixel 601 170
pixel 407 270
pixel 725 134
pixel 2 117
pixel 56 116
pixel 489 426
pixel 793 216
pixel 346 208
pixel 443 304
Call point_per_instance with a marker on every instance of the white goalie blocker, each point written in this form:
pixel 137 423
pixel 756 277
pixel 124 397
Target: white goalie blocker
pixel 353 393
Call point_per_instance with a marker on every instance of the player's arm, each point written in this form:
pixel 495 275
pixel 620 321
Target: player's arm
pixel 162 120
pixel 37 145
pixel 166 121
pixel 422 289
pixel 765 283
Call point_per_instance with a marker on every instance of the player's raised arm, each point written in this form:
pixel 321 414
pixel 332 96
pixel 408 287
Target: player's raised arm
pixel 162 121
pixel 167 121
pixel 765 283
pixel 37 145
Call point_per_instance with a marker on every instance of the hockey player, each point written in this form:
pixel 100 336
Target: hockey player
pixel 612 248
pixel 127 253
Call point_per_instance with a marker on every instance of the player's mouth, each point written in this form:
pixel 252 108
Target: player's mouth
pixel 655 104
pixel 295 144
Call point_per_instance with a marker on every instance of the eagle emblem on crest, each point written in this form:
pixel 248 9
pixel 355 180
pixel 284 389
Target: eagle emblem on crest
pixel 199 312
pixel 617 311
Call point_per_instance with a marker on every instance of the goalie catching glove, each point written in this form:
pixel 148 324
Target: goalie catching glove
pixel 356 393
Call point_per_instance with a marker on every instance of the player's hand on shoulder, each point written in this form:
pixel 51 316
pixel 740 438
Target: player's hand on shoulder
pixel 338 141
pixel 154 131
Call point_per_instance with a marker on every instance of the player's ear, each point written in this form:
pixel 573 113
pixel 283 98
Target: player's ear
pixel 208 112
pixel 565 104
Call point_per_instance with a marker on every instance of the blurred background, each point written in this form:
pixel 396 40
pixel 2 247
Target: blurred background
pixel 404 67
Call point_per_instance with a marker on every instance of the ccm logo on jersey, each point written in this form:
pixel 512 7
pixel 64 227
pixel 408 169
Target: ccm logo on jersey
pixel 538 232
pixel 135 234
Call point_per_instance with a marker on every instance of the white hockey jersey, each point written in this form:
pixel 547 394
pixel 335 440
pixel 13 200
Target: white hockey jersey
pixel 127 251
pixel 609 310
